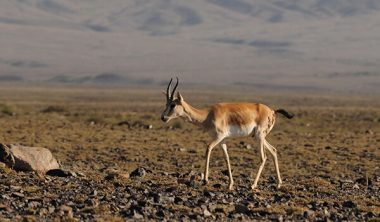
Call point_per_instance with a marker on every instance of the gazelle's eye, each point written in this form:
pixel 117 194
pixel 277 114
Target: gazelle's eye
pixel 172 106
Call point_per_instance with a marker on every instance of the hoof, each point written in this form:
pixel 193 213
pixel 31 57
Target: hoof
pixel 255 190
pixel 204 182
pixel 279 185
pixel 231 187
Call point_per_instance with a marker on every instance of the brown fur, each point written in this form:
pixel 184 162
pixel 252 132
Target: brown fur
pixel 240 114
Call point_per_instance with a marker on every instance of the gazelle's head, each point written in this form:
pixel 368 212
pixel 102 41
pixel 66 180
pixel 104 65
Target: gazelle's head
pixel 174 106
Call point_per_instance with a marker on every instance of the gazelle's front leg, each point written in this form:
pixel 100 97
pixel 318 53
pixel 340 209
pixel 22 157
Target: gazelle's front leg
pixel 231 184
pixel 208 154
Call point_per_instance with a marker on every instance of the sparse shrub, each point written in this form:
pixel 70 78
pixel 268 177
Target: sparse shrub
pixel 6 110
pixel 95 119
pixel 54 109
pixel 118 116
pixel 148 117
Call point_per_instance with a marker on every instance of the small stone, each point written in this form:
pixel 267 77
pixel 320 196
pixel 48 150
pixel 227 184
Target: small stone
pixel 148 127
pixel 15 188
pixel 212 207
pixel 4 207
pixel 6 197
pixel 80 174
pixel 122 123
pixel 206 213
pixel 271 217
pixel 43 212
pixel 239 208
pixel 18 194
pixel 160 213
pixel 349 204
pixel 225 172
pixel 139 172
pixel 157 197
pixel 326 213
pixel 33 204
pixel 209 194
pixel 365 181
pixel 370 214
pixel 51 210
pixel 136 215
pixel 169 199
pixel 356 186
pixel 92 202
pixel 308 213
pixel 66 210
pixel 60 173
pixel 217 185
pixel 110 176
pixel 178 200
pixel 116 175
pixel 346 181
pixel 94 193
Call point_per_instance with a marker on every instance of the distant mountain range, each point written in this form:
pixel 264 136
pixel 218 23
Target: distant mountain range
pixel 284 43
pixel 168 16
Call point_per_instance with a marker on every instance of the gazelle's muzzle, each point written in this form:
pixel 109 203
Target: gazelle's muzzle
pixel 164 118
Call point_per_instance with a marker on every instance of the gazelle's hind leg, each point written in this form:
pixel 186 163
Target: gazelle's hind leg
pixel 273 152
pixel 263 160
pixel 231 182
pixel 260 132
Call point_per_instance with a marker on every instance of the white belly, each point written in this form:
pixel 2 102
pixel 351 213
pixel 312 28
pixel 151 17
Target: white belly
pixel 239 131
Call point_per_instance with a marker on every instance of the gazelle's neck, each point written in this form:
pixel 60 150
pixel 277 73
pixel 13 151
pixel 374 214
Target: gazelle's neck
pixel 196 116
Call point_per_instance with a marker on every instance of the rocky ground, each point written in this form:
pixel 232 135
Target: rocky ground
pixel 122 163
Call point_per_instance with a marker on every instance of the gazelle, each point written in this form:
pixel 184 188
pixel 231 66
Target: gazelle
pixel 224 120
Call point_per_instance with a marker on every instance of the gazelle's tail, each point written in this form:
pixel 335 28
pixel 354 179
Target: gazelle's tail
pixel 285 113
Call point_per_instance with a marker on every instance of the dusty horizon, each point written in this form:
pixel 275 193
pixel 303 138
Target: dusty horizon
pixel 311 44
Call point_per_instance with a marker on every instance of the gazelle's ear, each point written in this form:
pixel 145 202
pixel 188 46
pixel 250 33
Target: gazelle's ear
pixel 179 97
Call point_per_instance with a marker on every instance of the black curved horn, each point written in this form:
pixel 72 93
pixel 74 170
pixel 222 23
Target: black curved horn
pixel 175 87
pixel 168 90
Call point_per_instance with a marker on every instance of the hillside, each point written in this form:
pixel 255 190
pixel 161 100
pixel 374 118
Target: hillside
pixel 325 44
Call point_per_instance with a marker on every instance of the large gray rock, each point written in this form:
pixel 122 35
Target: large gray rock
pixel 23 158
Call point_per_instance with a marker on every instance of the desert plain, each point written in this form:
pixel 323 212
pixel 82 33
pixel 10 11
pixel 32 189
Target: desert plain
pixel 124 163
